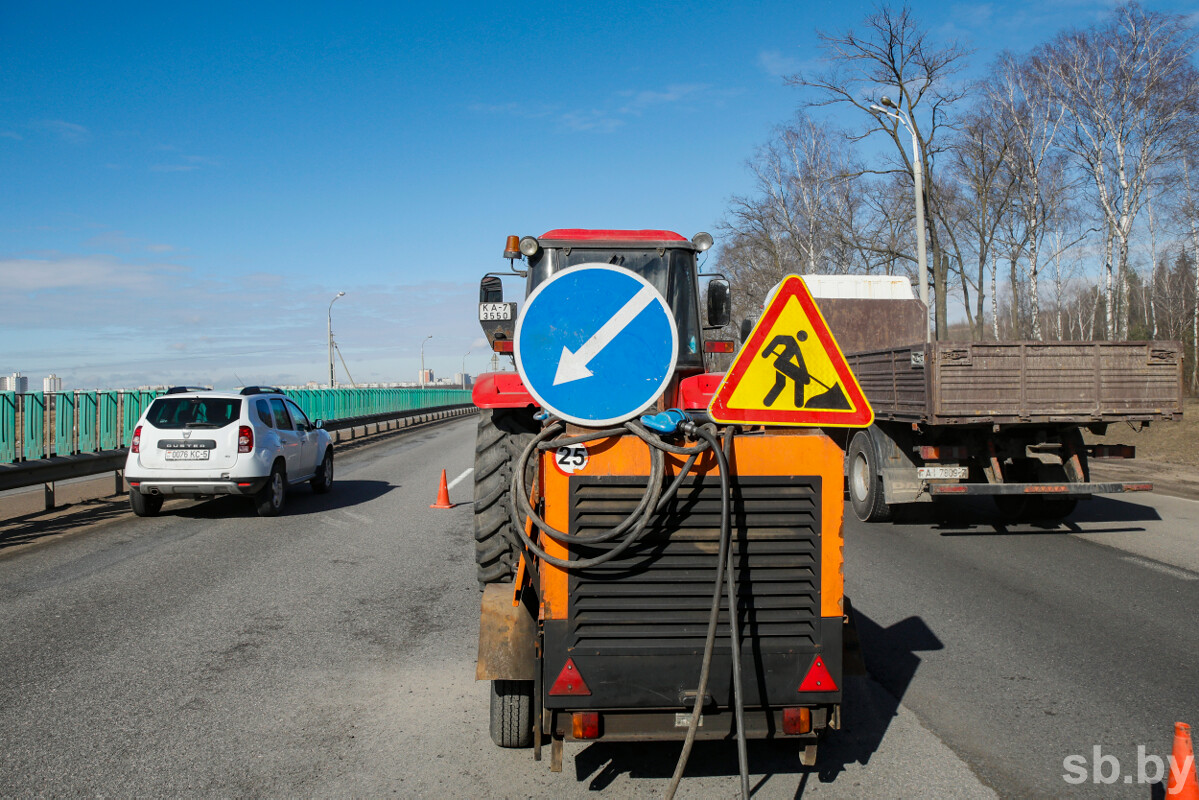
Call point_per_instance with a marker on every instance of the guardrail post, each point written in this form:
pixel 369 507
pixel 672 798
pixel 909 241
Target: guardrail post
pixel 48 488
pixel 119 486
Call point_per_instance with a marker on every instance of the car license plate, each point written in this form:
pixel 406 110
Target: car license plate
pixel 186 455
pixel 937 473
pixel 495 311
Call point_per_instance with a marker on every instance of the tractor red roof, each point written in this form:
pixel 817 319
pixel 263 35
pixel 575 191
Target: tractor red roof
pixel 585 235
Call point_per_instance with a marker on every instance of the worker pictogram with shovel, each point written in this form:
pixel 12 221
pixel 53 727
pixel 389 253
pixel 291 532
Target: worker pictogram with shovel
pixel 789 365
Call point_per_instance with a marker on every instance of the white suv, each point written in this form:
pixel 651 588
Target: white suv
pixel 197 442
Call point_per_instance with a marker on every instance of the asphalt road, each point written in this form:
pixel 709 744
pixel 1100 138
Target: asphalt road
pixel 330 652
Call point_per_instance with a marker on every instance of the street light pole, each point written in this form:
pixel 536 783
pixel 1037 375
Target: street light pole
pixel 331 302
pixel 918 183
pixel 422 360
pixel 464 355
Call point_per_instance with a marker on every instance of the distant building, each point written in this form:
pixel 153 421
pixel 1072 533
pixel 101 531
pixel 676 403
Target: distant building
pixel 51 383
pixel 15 382
pixel 462 379
pixel 425 378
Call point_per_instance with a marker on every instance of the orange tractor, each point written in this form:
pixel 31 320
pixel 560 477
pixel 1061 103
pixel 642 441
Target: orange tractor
pixel 611 554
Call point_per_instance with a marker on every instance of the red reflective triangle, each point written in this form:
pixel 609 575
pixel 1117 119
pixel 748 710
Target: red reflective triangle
pixel 570 681
pixel 818 678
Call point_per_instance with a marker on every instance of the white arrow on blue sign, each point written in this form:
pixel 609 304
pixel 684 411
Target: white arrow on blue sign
pixel 596 344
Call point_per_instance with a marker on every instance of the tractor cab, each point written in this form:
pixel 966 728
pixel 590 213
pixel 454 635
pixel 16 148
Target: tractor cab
pixel 665 259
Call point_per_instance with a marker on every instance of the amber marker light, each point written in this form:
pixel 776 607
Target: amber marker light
pixel 512 247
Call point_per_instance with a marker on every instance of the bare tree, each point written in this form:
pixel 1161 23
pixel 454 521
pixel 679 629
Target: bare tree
pixel 979 155
pixel 1131 93
pixel 895 55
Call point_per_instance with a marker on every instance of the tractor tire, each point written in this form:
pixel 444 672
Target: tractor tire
pixel 503 434
pixel 512 713
pixel 865 483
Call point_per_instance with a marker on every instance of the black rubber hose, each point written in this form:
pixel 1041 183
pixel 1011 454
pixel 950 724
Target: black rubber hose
pixel 723 560
pixel 633 527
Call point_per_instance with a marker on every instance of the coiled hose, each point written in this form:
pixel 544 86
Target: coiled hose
pixel 633 527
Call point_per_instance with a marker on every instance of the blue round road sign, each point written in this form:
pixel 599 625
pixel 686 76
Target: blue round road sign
pixel 596 344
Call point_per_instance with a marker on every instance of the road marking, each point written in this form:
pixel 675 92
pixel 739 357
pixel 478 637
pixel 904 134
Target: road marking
pixel 458 480
pixel 1174 572
pixel 573 366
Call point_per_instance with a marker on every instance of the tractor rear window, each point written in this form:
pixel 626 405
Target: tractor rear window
pixel 672 274
pixel 176 413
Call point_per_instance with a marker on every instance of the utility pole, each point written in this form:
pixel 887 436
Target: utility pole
pixel 332 380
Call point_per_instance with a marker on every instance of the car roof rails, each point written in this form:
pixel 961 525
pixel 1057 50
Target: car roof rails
pixel 260 390
pixel 185 389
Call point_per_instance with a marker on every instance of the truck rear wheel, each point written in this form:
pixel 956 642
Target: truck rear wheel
pixel 502 436
pixel 865 482
pixel 512 713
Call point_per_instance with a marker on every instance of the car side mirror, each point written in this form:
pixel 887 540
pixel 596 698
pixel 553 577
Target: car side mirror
pixel 320 423
pixel 719 303
pixel 491 290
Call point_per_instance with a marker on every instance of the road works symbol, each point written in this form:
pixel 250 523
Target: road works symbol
pixel 790 370
pixel 596 344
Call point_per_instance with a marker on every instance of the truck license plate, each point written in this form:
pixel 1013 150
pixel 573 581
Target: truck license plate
pixel 186 455
pixel 936 473
pixel 495 311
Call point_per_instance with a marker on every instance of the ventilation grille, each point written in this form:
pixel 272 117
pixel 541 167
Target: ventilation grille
pixel 655 598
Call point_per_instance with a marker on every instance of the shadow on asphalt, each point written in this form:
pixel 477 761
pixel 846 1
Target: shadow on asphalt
pixel 300 500
pixel 31 527
pixel 977 516
pixel 869 704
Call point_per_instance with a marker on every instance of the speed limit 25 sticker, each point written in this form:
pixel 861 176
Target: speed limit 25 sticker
pixel 570 459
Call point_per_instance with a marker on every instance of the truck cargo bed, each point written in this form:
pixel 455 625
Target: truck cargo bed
pixel 965 383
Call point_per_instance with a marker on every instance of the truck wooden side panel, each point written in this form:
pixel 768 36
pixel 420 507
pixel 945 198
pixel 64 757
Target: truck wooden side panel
pixel 961 383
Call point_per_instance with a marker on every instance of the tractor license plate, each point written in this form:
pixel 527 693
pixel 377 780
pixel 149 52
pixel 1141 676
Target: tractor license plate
pixel 938 473
pixel 495 311
pixel 186 455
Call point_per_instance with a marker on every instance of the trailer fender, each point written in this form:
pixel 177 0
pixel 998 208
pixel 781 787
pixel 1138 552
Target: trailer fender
pixel 893 446
pixel 507 637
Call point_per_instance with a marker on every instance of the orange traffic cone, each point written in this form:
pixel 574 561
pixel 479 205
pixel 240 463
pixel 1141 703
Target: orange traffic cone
pixel 443 495
pixel 1182 785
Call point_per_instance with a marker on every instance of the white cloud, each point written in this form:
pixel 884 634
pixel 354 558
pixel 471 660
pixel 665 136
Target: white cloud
pixel 11 135
pixel 66 131
pixel 775 63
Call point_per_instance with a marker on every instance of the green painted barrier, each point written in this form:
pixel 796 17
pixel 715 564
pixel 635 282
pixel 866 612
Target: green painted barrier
pixel 87 422
pixel 8 426
pixel 34 428
pixel 64 423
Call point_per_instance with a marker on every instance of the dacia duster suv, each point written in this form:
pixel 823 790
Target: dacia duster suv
pixel 198 443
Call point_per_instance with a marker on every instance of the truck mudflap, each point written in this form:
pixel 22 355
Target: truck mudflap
pixel 1037 489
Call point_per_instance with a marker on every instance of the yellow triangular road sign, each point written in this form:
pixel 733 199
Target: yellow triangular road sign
pixel 790 370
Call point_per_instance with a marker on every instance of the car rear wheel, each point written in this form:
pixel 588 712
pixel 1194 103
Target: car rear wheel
pixel 145 505
pixel 323 481
pixel 269 501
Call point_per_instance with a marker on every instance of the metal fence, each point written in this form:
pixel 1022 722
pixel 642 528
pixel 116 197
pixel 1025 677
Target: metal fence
pixel 35 426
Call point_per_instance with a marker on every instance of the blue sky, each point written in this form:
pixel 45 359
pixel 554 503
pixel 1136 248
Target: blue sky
pixel 186 188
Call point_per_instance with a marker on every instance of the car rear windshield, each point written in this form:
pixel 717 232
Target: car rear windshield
pixel 173 413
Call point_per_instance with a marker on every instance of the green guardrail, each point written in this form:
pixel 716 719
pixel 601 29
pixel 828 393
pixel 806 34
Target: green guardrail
pixel 35 426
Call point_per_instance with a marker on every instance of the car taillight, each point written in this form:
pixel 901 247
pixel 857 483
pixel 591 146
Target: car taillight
pixel 136 445
pixel 245 439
